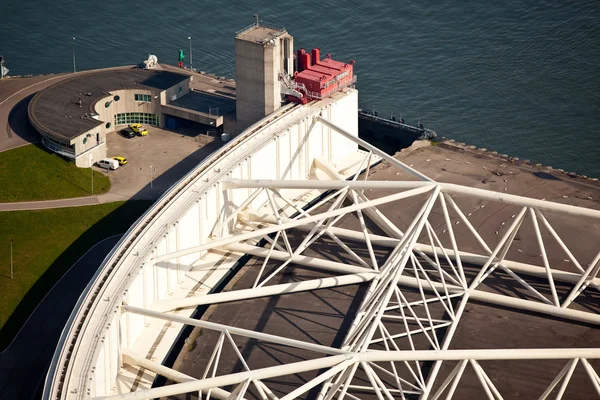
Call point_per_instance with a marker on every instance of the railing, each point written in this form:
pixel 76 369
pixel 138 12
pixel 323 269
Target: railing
pixel 58 148
pixel 426 133
pixel 279 30
pixel 300 87
pixel 264 24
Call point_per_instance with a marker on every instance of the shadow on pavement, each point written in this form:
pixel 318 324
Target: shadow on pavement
pixel 161 183
pixel 118 221
pixel 18 122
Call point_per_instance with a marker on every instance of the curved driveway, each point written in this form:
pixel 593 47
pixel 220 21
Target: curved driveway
pixel 24 364
pixel 14 96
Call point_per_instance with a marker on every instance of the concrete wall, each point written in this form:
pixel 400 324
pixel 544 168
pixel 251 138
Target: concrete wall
pixel 91 156
pixel 250 85
pixel 176 91
pixel 191 115
pixel 257 69
pixel 285 149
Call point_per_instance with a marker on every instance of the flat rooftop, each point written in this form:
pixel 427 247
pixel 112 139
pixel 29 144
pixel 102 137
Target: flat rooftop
pixel 261 33
pixel 57 108
pixel 207 103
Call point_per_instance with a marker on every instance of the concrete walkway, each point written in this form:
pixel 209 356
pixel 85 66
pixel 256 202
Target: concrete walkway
pixel 64 203
pixel 42 205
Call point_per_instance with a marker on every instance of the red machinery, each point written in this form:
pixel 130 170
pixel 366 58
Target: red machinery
pixel 316 78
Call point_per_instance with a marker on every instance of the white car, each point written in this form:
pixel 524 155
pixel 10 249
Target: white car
pixel 108 163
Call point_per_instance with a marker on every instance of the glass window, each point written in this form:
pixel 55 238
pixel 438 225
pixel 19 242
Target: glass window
pixel 137 118
pixel 143 97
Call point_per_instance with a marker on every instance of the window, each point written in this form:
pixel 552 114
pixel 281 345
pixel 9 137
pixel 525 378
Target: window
pixel 137 118
pixel 146 98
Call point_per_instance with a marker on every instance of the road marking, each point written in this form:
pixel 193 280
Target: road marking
pixel 28 87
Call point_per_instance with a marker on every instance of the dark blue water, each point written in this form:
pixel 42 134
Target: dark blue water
pixel 519 77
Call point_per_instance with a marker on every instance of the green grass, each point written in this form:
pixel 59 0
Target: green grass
pixel 46 244
pixel 32 173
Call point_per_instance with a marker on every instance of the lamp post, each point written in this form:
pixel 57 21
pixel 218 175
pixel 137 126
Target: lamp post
pixel 74 69
pixel 191 57
pixel 151 178
pixel 92 169
pixel 11 259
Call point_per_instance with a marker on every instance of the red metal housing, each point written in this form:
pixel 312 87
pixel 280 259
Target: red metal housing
pixel 317 78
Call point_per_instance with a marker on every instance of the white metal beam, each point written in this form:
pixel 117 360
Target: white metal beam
pixel 498 299
pixel 371 356
pixel 471 258
pixel 372 148
pixel 274 290
pixel 132 358
pixel 292 224
pixel 235 331
pixel 232 183
pixel 512 302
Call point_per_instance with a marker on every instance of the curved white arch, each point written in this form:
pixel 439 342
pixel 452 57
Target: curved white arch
pixel 258 185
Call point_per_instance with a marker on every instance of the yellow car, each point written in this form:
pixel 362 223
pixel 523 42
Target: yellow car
pixel 139 129
pixel 121 160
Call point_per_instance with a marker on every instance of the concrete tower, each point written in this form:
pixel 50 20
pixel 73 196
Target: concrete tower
pixel 261 52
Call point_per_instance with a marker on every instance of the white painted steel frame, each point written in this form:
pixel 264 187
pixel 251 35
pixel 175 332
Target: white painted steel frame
pixel 437 273
pixel 72 363
pixel 493 260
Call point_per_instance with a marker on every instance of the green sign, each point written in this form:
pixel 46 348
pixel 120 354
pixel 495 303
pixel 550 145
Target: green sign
pixel 181 56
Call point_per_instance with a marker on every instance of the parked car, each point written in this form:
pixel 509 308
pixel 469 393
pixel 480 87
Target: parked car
pixel 127 133
pixel 108 163
pixel 139 129
pixel 120 160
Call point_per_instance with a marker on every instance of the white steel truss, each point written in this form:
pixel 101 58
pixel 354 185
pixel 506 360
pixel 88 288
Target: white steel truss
pixel 401 336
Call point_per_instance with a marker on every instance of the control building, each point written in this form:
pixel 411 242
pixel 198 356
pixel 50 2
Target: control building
pixel 74 116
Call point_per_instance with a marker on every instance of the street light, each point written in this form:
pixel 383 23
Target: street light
pixel 92 169
pixel 191 58
pixel 151 179
pixel 11 259
pixel 74 69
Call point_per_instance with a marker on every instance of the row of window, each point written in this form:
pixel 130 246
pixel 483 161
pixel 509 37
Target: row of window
pixel 137 118
pixel 143 97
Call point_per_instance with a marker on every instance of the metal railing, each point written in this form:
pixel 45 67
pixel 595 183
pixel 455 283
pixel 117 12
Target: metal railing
pixel 264 24
pixel 58 148
pixel 278 30
pixel 300 87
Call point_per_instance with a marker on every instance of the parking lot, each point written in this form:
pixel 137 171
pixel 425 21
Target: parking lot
pixel 155 161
